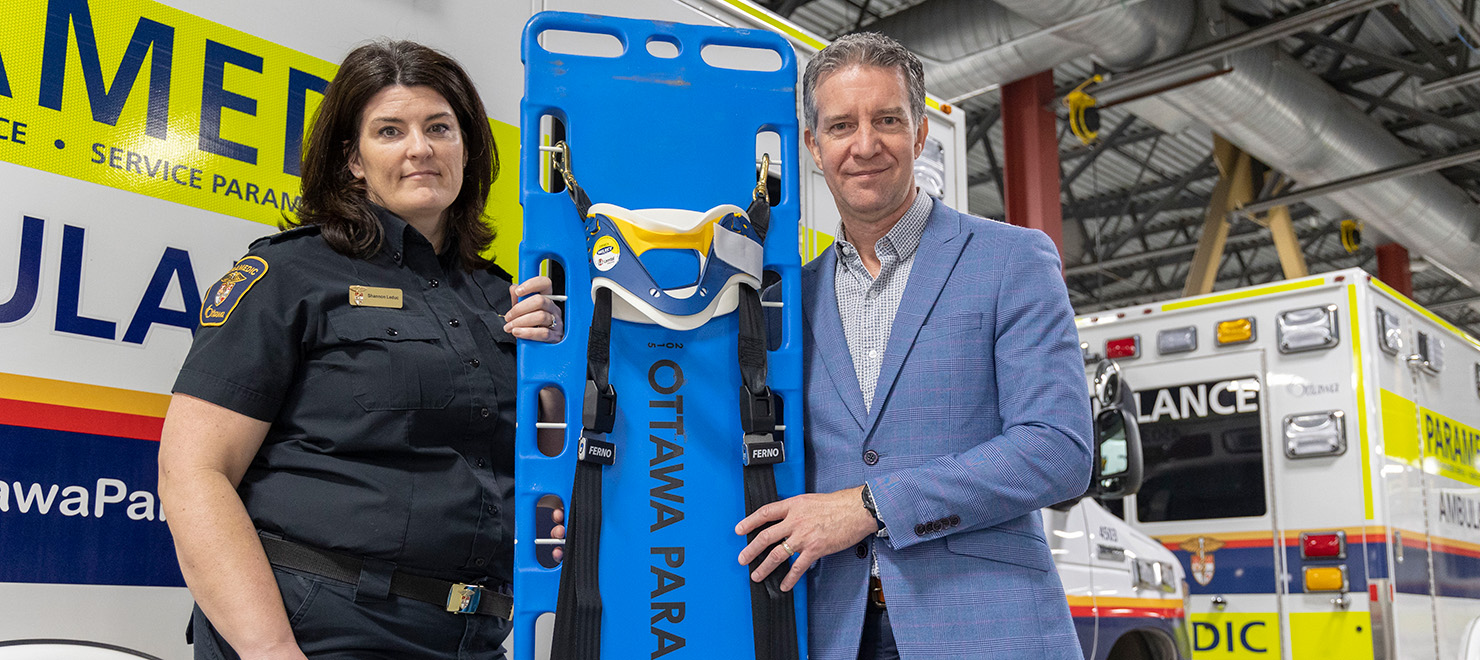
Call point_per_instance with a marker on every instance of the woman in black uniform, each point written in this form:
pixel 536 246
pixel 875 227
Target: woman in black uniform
pixel 337 460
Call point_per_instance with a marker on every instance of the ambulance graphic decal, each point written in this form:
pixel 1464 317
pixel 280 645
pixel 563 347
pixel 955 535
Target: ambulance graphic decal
pixel 1201 549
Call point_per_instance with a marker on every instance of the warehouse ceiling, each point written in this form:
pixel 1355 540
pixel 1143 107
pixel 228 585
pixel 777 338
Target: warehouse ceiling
pixel 1134 202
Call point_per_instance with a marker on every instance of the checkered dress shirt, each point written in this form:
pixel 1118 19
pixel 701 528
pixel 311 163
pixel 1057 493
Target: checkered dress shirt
pixel 867 304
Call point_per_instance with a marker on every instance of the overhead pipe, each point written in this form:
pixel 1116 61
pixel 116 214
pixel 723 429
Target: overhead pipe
pixel 1268 104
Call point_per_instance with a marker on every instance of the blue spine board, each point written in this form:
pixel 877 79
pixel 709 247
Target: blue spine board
pixel 651 132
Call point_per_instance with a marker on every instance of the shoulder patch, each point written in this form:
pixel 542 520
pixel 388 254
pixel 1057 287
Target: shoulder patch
pixel 228 291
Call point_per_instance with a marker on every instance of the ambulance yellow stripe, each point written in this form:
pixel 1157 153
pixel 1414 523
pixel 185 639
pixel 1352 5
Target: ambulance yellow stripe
pixel 1357 380
pixel 1174 603
pixel 1427 314
pixel 1409 432
pixel 1244 293
pixel 1369 533
pixel 777 24
pixel 1444 543
pixel 78 395
pixel 1221 536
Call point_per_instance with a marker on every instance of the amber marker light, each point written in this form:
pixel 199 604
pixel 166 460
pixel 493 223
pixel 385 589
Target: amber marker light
pixel 1236 331
pixel 1325 578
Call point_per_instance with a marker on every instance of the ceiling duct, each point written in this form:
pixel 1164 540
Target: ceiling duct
pixel 970 46
pixel 1269 105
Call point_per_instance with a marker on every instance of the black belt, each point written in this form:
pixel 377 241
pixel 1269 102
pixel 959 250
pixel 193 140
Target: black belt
pixel 456 597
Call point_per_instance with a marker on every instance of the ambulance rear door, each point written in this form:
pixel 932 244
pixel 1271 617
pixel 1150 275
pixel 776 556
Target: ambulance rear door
pixel 1208 495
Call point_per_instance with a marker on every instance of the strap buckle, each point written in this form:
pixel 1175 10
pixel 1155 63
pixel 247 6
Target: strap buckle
pixel 463 598
pixel 762 450
pixel 599 410
pixel 595 450
pixel 757 411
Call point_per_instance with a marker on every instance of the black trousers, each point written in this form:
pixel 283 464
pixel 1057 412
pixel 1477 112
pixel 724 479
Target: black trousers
pixel 329 623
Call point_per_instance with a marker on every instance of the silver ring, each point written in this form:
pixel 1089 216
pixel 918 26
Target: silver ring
pixel 787 547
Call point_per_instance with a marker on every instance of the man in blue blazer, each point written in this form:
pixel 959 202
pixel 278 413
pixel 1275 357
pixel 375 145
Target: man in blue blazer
pixel 946 401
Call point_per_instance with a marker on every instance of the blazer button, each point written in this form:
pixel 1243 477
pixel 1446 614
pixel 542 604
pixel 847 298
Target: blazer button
pixel 870 457
pixel 955 520
pixel 861 550
pixel 920 529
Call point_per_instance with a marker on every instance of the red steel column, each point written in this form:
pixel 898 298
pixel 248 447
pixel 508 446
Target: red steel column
pixel 1030 169
pixel 1393 268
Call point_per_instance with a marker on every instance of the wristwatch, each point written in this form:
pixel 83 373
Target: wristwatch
pixel 868 504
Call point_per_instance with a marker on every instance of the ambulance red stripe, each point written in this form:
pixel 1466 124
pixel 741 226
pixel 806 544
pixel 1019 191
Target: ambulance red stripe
pixel 80 420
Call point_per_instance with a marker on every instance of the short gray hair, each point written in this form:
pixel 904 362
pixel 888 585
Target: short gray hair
pixel 869 49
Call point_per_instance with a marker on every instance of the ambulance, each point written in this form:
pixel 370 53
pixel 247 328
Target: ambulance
pixel 145 144
pixel 1311 456
pixel 1126 592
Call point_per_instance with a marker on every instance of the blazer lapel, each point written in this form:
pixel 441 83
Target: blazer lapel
pixel 820 315
pixel 935 258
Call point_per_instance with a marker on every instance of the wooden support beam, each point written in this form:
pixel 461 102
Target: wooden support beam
pixel 1282 228
pixel 1235 188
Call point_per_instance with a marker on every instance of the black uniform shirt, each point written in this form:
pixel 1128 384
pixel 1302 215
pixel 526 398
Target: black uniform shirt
pixel 392 428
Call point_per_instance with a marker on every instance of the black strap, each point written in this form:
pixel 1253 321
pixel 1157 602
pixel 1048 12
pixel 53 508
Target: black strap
pixel 577 634
pixel 772 611
pixel 347 568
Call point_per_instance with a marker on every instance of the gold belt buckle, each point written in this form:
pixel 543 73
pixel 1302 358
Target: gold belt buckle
pixel 463 598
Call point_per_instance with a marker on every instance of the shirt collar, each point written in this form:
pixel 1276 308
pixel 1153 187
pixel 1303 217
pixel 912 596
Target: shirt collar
pixel 397 232
pixel 904 236
pixel 393 229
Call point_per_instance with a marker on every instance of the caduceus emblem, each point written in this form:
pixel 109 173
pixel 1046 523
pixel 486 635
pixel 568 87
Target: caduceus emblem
pixel 1201 549
pixel 227 283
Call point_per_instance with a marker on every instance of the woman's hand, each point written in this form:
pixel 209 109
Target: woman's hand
pixel 535 318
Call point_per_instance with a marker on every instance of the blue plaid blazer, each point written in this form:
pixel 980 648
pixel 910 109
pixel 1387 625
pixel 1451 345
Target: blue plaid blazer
pixel 980 418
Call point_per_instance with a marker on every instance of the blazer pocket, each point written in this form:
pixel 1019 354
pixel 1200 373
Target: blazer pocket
pixel 1004 546
pixel 949 325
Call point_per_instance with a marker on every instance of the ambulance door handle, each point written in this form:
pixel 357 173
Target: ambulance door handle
pixel 1220 602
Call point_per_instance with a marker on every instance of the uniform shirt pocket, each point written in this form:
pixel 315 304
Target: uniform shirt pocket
pixel 495 321
pixel 397 359
pixel 1003 545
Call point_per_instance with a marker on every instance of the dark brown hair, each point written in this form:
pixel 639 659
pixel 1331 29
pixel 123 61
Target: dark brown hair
pixel 336 201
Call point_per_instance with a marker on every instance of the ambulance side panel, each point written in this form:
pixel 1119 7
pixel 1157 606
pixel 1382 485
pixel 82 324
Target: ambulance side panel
pixel 1428 413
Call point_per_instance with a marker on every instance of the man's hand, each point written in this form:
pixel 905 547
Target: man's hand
pixel 812 525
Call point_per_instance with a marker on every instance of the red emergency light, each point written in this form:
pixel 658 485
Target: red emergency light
pixel 1328 545
pixel 1125 347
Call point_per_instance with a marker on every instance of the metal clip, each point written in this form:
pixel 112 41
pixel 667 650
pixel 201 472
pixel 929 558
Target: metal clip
pixel 760 185
pixel 560 160
pixel 463 598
